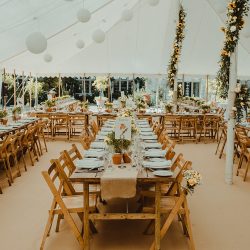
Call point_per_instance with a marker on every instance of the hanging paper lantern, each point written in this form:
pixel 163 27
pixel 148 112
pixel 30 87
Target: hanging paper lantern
pixel 98 36
pixel 47 57
pixel 127 15
pixel 83 15
pixel 80 44
pixel 36 43
pixel 153 2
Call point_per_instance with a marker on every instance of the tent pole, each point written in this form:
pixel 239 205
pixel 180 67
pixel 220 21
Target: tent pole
pixel 23 87
pixel 59 85
pixel 14 88
pixel 109 87
pixel 207 77
pixel 36 92
pixel 30 96
pixel 175 90
pixel 1 84
pixel 84 87
pixel 231 118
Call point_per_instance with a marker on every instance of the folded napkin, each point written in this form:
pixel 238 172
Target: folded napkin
pixel 88 163
pixel 148 137
pixel 119 183
pixel 103 133
pixel 146 130
pixel 146 133
pixel 97 145
pixel 152 145
pixel 155 153
pixel 100 137
pixel 158 164
pixel 94 153
pixel 106 129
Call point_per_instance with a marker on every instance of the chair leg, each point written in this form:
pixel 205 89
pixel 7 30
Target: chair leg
pixel 47 228
pixel 247 166
pixel 45 144
pixel 32 163
pixel 59 218
pixel 9 170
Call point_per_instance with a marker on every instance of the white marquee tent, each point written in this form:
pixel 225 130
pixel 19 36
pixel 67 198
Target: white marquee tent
pixel 141 45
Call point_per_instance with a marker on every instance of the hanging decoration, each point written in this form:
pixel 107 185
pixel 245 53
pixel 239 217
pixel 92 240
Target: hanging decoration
pixel 236 11
pixel 179 37
pixel 83 15
pixel 36 43
pixel 47 57
pixel 80 44
pixel 98 36
pixel 127 15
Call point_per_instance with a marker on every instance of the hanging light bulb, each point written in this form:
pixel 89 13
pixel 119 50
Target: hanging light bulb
pixel 127 15
pixel 153 2
pixel 36 42
pixel 80 44
pixel 98 36
pixel 47 57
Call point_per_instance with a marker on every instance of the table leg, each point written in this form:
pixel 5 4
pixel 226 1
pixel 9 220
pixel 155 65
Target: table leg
pixel 158 216
pixel 86 216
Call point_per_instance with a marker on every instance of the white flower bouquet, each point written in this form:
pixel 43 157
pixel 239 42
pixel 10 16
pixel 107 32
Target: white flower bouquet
pixel 101 83
pixel 193 178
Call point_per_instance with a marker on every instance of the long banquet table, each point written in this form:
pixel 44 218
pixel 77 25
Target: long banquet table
pixel 144 176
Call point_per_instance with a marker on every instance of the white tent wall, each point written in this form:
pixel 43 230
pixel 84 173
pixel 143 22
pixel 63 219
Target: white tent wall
pixel 141 46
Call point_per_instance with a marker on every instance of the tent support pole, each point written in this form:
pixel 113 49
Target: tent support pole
pixel 30 95
pixel 36 92
pixel 231 118
pixel 109 87
pixel 175 91
pixel 207 77
pixel 84 87
pixel 14 88
pixel 59 85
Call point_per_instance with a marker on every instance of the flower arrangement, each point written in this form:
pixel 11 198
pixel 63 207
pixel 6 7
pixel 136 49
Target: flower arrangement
pixel 3 113
pixel 141 104
pixel 193 178
pixel 117 144
pixel 205 107
pixel 101 83
pixel 84 105
pixel 17 110
pixel 169 108
pixel 127 113
pixel 179 37
pixel 134 129
pixel 241 101
pixel 236 11
pixel 50 103
pixel 108 105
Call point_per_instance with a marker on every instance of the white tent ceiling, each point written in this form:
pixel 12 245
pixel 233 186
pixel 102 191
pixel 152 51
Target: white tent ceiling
pixel 142 45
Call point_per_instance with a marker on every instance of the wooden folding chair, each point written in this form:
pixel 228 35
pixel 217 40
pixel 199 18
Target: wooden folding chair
pixel 64 205
pixel 175 204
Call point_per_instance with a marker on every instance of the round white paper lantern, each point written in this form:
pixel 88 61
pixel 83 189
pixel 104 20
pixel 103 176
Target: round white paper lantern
pixel 36 43
pixel 47 57
pixel 80 44
pixel 98 36
pixel 83 15
pixel 127 15
pixel 153 2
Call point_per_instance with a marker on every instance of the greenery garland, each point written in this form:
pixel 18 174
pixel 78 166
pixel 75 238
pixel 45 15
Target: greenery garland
pixel 236 11
pixel 173 64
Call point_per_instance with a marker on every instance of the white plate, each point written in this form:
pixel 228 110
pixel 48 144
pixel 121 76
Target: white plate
pixel 163 173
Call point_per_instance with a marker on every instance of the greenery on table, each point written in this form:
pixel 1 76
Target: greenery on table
pixel 117 144
pixel 3 113
pixel 236 11
pixel 17 110
pixel 84 105
pixel 50 103
pixel 175 57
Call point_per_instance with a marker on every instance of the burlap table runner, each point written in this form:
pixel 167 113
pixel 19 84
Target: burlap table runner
pixel 119 183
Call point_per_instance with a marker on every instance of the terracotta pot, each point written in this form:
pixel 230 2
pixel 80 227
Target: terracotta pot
pixel 84 110
pixel 142 111
pixel 117 158
pixel 49 109
pixel 108 110
pixel 4 121
pixel 126 158
pixel 123 104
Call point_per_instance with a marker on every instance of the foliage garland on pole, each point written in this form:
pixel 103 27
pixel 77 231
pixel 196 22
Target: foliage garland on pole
pixel 236 11
pixel 179 37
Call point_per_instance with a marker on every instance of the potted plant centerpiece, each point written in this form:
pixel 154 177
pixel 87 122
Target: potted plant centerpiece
pixel 84 106
pixel 205 108
pixel 123 100
pixel 3 115
pixel 118 145
pixel 50 105
pixel 169 108
pixel 108 106
pixel 16 113
pixel 141 106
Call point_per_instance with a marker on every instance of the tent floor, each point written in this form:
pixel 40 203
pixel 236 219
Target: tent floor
pixel 219 212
